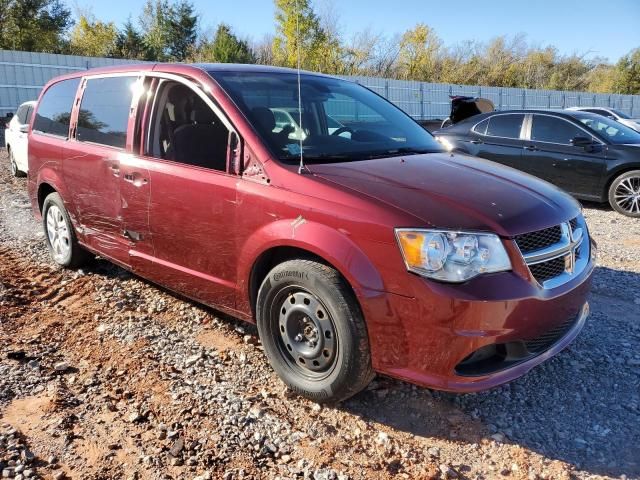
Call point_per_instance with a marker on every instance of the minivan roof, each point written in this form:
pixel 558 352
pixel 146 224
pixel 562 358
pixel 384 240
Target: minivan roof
pixel 208 67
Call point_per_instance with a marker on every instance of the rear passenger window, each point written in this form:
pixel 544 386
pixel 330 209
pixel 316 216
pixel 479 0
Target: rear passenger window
pixel 104 111
pixel 54 111
pixel 554 130
pixel 505 126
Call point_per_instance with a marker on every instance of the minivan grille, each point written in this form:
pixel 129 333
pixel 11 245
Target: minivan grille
pixel 547 270
pixel 528 242
pixel 547 339
pixel 555 239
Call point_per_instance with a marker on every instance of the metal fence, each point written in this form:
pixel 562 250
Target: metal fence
pixel 23 74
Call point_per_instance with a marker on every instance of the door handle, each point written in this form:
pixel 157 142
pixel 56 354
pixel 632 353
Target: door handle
pixel 115 169
pixel 135 178
pixel 476 142
pixel 531 148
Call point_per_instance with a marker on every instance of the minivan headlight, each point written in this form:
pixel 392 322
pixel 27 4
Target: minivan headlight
pixel 451 256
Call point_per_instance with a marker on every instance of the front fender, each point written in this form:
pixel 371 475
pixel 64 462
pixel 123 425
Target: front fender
pixel 334 247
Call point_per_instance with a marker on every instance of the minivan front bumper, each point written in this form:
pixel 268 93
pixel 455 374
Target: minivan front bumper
pixel 475 336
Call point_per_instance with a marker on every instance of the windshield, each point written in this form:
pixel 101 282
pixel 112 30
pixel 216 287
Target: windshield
pixel 613 131
pixel 341 121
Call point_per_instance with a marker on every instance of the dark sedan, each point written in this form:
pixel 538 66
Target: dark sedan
pixel 590 156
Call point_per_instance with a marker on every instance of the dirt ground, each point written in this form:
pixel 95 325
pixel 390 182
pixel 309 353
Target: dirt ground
pixel 106 376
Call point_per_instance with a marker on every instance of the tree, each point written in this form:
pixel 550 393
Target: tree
pixel 129 42
pixel 153 22
pixel 298 25
pixel 93 38
pixel 628 73
pixel 418 58
pixel 182 30
pixel 170 30
pixel 34 25
pixel 225 47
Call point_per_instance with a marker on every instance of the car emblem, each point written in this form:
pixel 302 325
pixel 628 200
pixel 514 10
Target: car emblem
pixel 575 239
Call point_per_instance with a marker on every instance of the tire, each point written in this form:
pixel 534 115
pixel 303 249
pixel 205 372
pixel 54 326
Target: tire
pixel 13 165
pixel 624 194
pixel 61 238
pixel 313 332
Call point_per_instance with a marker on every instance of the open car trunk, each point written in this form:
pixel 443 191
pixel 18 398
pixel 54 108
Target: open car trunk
pixel 464 107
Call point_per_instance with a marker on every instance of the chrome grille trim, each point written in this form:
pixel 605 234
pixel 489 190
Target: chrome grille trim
pixel 569 247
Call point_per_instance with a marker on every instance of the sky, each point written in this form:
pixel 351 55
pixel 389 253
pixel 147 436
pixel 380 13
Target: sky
pixel 607 29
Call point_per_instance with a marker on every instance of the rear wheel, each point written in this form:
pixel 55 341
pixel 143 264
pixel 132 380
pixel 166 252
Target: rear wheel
pixel 313 332
pixel 61 239
pixel 13 165
pixel 624 194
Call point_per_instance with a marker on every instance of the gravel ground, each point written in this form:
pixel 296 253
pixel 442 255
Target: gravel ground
pixel 103 375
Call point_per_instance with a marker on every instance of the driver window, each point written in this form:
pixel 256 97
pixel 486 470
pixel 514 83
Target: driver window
pixel 184 129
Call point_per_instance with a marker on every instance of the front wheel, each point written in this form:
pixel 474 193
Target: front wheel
pixel 624 194
pixel 313 331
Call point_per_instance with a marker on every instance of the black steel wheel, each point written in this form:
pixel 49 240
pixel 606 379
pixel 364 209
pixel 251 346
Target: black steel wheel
pixel 313 332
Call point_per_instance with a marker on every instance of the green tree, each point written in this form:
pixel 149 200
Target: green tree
pixel 628 73
pixel 418 58
pixel 153 22
pixel 170 30
pixel 298 25
pixel 34 25
pixel 225 47
pixel 93 38
pixel 129 42
pixel 182 30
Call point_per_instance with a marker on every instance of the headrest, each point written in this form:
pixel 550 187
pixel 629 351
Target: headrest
pixel 265 118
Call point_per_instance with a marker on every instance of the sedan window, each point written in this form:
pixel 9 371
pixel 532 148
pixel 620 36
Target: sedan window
pixel 505 126
pixel 554 130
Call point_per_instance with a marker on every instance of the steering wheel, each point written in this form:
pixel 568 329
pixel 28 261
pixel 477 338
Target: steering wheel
pixel 342 130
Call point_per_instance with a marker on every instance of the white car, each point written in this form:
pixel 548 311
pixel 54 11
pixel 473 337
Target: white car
pixel 613 115
pixel 15 139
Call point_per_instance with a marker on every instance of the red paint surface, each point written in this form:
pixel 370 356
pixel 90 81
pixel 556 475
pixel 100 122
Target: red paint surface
pixel 202 232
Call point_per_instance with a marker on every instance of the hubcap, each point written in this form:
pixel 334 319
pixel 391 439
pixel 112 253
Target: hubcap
pixel 307 333
pixel 58 234
pixel 627 195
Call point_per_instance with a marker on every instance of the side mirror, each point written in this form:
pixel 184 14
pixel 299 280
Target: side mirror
pixel 24 128
pixel 9 115
pixel 235 153
pixel 582 142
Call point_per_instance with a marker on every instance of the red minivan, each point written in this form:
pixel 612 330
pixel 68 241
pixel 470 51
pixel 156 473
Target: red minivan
pixel 319 211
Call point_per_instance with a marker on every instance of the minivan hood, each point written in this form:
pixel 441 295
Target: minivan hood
pixel 456 191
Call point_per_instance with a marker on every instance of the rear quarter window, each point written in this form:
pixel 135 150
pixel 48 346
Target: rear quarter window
pixel 104 110
pixel 54 111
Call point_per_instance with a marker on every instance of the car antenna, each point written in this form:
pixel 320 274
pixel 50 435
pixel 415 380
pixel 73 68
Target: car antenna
pixel 301 168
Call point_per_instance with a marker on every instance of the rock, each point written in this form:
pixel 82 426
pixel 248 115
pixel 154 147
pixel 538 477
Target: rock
pixel 447 471
pixel 60 475
pixel 434 452
pixel 193 359
pixel 498 437
pixel 382 438
pixel 61 366
pixel 177 447
pixel 33 364
pixel 7 473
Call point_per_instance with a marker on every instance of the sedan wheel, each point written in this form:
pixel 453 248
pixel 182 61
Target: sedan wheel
pixel 624 194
